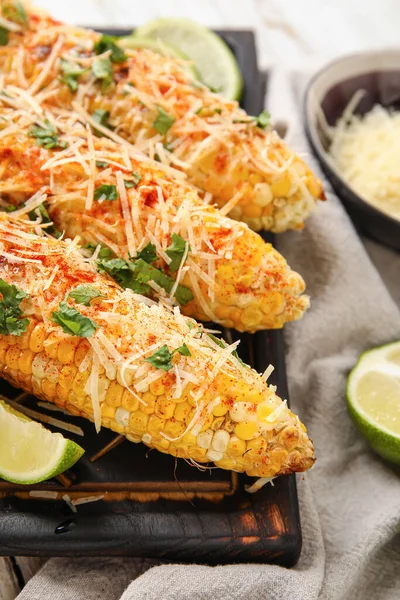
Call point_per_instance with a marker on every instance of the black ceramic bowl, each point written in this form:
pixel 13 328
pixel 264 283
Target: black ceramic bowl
pixel 331 89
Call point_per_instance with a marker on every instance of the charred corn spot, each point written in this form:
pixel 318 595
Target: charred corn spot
pixel 289 438
pixel 114 394
pixel 25 361
pixel 129 401
pixel 138 422
pixel 12 356
pixel 37 338
pixel 164 408
pixel 66 351
pixel 246 430
pixel 157 387
pixel 149 403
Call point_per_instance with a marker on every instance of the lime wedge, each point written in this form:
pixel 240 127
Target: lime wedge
pixel 29 453
pixel 213 59
pixel 157 46
pixel 373 398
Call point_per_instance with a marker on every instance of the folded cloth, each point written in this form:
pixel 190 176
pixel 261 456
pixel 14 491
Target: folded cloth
pixel 349 502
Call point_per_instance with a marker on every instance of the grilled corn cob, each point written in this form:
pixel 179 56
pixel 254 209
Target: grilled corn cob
pixel 151 101
pixel 73 337
pixel 217 269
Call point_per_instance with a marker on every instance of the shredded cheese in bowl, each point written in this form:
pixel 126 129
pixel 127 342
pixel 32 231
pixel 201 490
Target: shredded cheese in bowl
pixel 366 151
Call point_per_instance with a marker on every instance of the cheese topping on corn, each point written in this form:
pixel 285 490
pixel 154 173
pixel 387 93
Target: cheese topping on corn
pixel 152 102
pixel 99 190
pixel 142 369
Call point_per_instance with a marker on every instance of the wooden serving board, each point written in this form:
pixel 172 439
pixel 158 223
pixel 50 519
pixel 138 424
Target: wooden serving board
pixel 153 505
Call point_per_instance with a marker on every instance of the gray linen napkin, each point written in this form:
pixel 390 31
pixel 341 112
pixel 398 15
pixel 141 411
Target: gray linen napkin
pixel 350 501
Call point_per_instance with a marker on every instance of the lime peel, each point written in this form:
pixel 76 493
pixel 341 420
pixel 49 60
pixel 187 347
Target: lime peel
pixel 29 453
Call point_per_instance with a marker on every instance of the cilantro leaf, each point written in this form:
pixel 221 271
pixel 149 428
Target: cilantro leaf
pixel 122 272
pixel 101 117
pixel 162 358
pixel 101 164
pixel 145 273
pixel 107 42
pixel 105 252
pixel 83 294
pixel 148 254
pixel 4 36
pixel 105 192
pixel 73 322
pixel 137 178
pixel 264 119
pixel 15 12
pixel 47 136
pixel 102 70
pixel 175 251
pixel 10 312
pixel 41 211
pixel 163 121
pixel 71 73
pixel 129 184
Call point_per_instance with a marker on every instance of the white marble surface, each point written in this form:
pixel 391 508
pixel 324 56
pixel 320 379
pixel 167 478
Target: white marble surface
pixel 293 33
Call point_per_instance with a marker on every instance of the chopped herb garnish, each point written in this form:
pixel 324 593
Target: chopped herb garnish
pixel 101 117
pixel 10 312
pixel 105 192
pixel 101 164
pixel 83 294
pixel 15 12
pixel 104 252
pixel 10 208
pixel 175 251
pixel 163 121
pixel 264 119
pixel 122 272
pixel 107 42
pixel 71 72
pixel 198 111
pixel 73 322
pixel 47 136
pixel 162 358
pixel 148 254
pixel 41 211
pixel 129 184
pixel 218 110
pixel 136 274
pixel 102 70
pixel 4 36
pixel 137 178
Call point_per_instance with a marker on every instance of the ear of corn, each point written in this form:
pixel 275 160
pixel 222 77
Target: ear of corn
pixel 152 102
pixel 202 405
pixel 233 276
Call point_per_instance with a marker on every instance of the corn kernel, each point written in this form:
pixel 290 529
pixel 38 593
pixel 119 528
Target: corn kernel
pixel 281 187
pixel 264 410
pixel 81 352
pixel 62 392
pixel 4 346
pixel 149 400
pixel 157 387
pixel 129 401
pixel 251 317
pixel 122 416
pixel 220 441
pixel 189 438
pixel 37 338
pixel 252 210
pixel 49 388
pixel 165 408
pixel 220 410
pixel 255 178
pixel 25 362
pixel 273 303
pixel 138 422
pixel 198 454
pixel 114 394
pixel 79 382
pixel 278 456
pixel 67 376
pixel 66 351
pixel 117 428
pixel 183 412
pixel 71 408
pixel 178 450
pixel 226 463
pixel 213 455
pixel 262 195
pixel 204 439
pixel 155 425
pixel 174 429
pixel 107 411
pixel 51 346
pixel 23 341
pixel 246 430
pixel 12 357
pixel 161 444
pixel 136 439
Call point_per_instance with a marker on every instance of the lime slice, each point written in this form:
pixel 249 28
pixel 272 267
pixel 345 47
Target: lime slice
pixel 213 59
pixel 157 46
pixel 29 453
pixel 373 397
